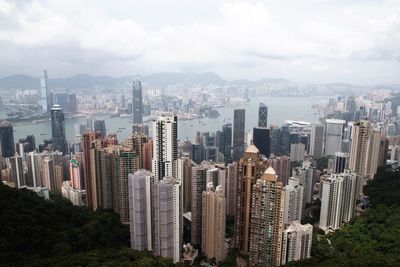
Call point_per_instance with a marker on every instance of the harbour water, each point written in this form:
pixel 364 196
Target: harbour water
pixel 279 110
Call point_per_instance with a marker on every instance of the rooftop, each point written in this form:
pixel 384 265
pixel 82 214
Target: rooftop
pixel 252 149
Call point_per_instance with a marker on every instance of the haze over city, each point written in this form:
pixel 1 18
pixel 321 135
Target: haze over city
pixel 200 133
pixel 310 41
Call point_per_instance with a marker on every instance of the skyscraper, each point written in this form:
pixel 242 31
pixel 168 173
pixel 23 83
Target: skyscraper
pixel 293 200
pixel 263 116
pixel 213 224
pixel 137 102
pixel 238 133
pixel 199 184
pixel 58 129
pixel 44 92
pixel 317 140
pixel 364 154
pixel 305 173
pixel 88 142
pixel 165 146
pixel 262 140
pixel 18 173
pixel 140 216
pixel 100 127
pixel 266 222
pixel 249 169
pixel 333 136
pixel 167 218
pixel 296 243
pixel 231 187
pixel 338 200
pixel 7 145
pixel 225 142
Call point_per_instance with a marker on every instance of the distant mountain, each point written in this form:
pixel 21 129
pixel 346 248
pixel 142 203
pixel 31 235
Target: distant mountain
pixel 159 80
pixel 261 82
pixel 170 78
pixel 20 81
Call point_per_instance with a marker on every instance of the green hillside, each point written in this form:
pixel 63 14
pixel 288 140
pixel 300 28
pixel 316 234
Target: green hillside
pixel 36 232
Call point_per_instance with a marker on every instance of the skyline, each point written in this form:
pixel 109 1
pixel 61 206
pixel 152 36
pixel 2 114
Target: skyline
pixel 302 42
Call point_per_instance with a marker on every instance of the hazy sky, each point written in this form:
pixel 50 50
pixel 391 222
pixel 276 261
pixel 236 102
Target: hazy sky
pixel 355 41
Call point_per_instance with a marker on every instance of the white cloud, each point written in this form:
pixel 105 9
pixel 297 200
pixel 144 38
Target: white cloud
pixel 245 39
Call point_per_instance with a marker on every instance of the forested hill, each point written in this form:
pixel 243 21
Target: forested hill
pixel 36 232
pixel 372 239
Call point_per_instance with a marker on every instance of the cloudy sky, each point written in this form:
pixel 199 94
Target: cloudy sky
pixel 356 41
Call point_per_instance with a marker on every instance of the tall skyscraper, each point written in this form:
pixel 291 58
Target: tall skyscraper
pixel 165 146
pixel 140 215
pixel 333 136
pixel 137 102
pixel 88 142
pixel 225 142
pixel 296 243
pixel 167 219
pixel 213 224
pixel 72 104
pixel 293 200
pixel 44 92
pixel 338 200
pixel 18 174
pixel 58 129
pixel 266 222
pixel 364 154
pixel 263 116
pixel 280 140
pixel 238 133
pixel 317 140
pixel 231 187
pixel 100 126
pixel 185 165
pixel 262 140
pixel 199 184
pixel 249 169
pixel 7 144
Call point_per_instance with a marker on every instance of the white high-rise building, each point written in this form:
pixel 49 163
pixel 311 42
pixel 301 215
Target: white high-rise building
pixel 338 200
pixel 305 173
pixel 76 196
pixel 167 219
pixel 165 146
pixel 297 152
pixel 333 136
pixel 316 140
pixel 44 92
pixel 296 242
pixel 140 216
pixel 293 201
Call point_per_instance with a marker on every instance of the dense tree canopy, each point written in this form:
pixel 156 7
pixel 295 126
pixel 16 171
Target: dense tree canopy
pixel 36 232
